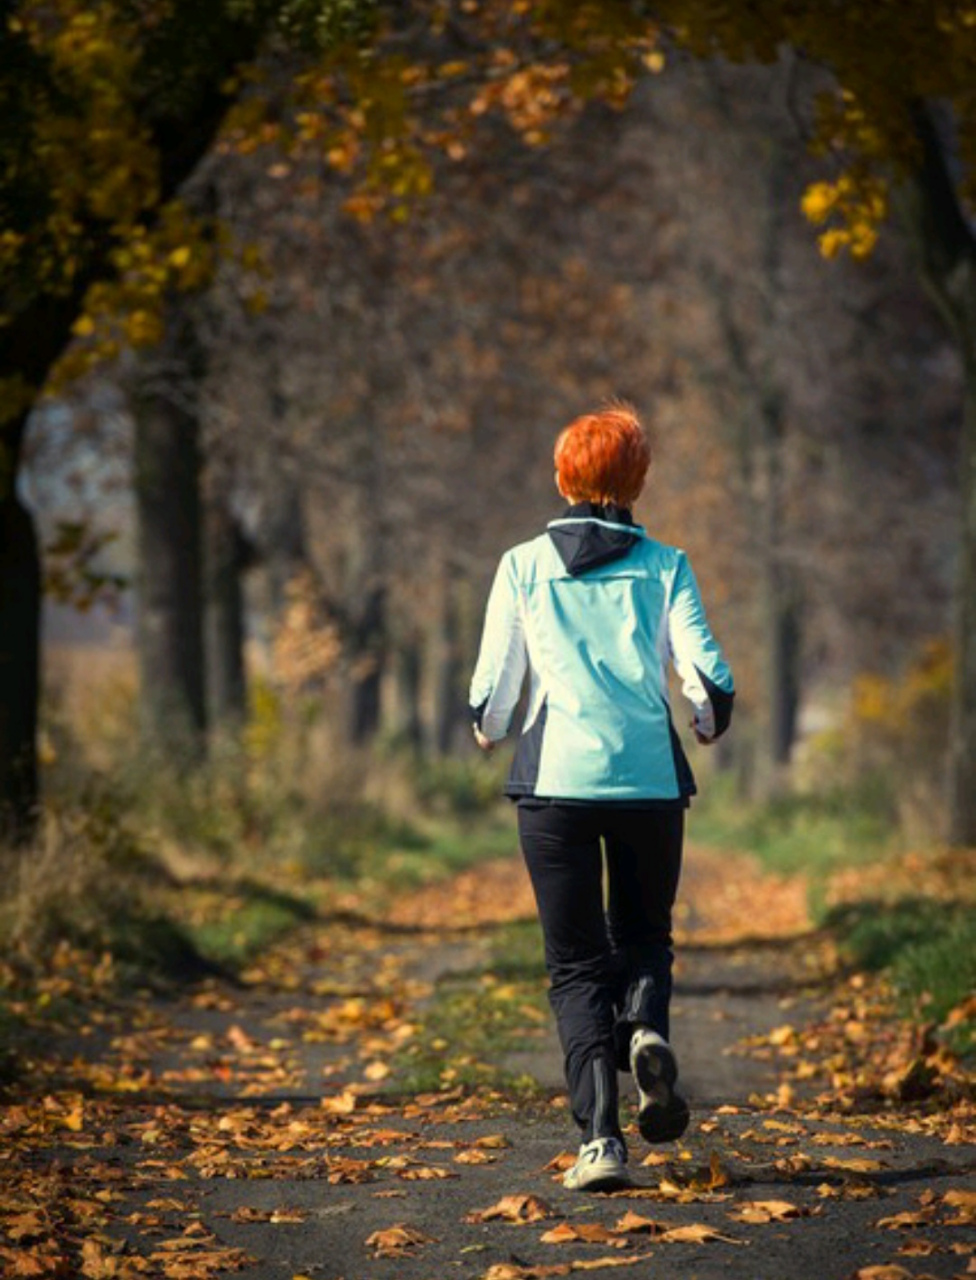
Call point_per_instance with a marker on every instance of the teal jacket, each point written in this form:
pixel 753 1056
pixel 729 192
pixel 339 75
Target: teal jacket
pixel 592 611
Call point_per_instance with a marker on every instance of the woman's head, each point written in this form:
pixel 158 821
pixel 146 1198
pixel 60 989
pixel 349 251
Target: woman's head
pixel 603 457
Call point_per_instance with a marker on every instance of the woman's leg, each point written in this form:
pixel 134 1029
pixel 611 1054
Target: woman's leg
pixel 644 863
pixel 561 845
pixel 643 868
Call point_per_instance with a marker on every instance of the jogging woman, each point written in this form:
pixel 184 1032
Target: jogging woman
pixel 591 611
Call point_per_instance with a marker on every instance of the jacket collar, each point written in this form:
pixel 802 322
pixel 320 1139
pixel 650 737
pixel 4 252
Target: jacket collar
pixel 588 535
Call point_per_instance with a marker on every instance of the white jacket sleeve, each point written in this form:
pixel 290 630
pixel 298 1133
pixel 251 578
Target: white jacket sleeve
pixel 502 661
pixel 706 678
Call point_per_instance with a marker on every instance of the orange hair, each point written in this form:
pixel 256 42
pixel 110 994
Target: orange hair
pixel 603 457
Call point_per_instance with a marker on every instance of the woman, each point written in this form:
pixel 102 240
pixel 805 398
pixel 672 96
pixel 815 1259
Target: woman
pixel 591 611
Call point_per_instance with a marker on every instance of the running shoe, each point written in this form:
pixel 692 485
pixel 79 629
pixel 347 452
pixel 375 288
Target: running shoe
pixel 663 1113
pixel 600 1166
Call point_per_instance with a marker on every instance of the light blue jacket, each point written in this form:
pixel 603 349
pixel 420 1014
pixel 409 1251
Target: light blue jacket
pixel 592 611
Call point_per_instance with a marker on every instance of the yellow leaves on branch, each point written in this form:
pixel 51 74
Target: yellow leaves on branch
pixel 179 254
pixel 857 204
pixel 98 162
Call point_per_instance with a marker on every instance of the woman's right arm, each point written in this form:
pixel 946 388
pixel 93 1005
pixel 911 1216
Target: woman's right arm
pixel 706 677
pixel 502 660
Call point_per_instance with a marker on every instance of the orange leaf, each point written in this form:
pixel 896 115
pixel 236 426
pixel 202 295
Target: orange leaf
pixel 696 1233
pixel 587 1232
pixel 635 1222
pixel 917 1218
pixel 395 1241
pixel 858 1164
pixel 342 1104
pixel 424 1173
pixel 757 1211
pixel 474 1156
pixel 516 1208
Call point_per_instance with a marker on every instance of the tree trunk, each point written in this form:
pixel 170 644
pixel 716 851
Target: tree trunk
pixel 443 704
pixel 170 631
pixel 20 611
pixel 366 644
pixel 401 701
pixel 447 705
pixel 781 606
pixel 784 636
pixel 962 727
pixel 945 250
pixel 226 558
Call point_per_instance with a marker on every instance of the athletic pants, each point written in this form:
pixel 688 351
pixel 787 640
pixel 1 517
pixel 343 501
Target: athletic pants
pixel 609 967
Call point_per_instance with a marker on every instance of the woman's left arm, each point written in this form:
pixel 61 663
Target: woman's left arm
pixel 502 660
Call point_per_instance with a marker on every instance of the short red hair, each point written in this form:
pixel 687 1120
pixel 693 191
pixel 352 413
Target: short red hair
pixel 603 457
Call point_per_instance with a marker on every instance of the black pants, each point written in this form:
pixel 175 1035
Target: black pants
pixel 608 968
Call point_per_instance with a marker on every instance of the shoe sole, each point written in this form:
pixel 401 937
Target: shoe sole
pixel 663 1114
pixel 612 1178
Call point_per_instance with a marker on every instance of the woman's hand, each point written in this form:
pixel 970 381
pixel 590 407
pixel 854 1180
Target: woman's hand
pixel 484 743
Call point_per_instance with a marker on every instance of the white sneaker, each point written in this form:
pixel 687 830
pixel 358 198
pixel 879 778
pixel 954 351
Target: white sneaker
pixel 663 1115
pixel 600 1166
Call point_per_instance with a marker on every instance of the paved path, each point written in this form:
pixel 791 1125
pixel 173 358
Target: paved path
pixel 203 1125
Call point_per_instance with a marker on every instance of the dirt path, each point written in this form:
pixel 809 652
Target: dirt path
pixel 258 1128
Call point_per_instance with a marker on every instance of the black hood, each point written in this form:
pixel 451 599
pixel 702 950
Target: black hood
pixel 590 540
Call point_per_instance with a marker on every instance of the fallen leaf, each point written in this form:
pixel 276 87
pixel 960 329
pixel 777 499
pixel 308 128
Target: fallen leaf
pixel 424 1173
pixel 25 1226
pixel 761 1211
pixel 474 1156
pixel 515 1271
pixel 516 1208
pixel 559 1164
pixel 200 1264
pixel 29 1263
pixel 346 1169
pixel 247 1213
pixel 492 1141
pixel 340 1104
pixel 916 1247
pixel 394 1242
pixel 856 1164
pixel 586 1232
pixel 965 1202
pixel 911 1218
pixel 695 1233
pixel 75 1118
pixel 636 1223
pixel 886 1271
pixel 238 1038
pixel 97 1262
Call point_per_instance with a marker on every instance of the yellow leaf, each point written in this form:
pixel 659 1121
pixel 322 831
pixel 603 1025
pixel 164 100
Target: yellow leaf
pixel 75 1118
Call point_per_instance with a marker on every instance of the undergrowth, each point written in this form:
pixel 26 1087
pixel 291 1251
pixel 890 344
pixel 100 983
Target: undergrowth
pixel 926 947
pixel 810 833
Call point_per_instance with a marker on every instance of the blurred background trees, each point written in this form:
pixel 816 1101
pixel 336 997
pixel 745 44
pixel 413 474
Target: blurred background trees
pixel 393 276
